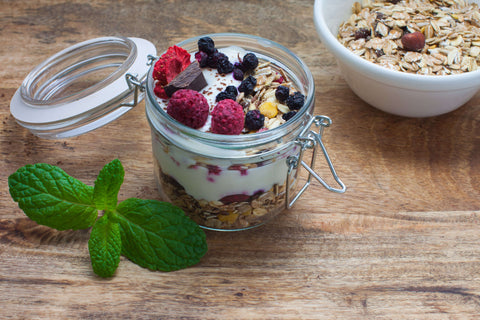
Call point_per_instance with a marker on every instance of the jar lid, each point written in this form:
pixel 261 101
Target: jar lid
pixel 83 87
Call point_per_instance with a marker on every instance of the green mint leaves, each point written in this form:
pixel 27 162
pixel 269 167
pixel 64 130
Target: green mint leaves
pixel 153 234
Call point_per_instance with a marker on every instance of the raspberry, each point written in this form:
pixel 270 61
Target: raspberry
pixel 254 120
pixel 282 93
pixel 289 115
pixel 295 101
pixel 227 118
pixel 206 45
pixel 171 63
pixel 188 107
pixel 248 85
pixel 249 62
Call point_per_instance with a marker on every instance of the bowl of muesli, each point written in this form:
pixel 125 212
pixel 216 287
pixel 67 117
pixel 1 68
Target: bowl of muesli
pixel 231 116
pixel 417 58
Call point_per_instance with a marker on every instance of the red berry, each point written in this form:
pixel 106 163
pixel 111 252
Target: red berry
pixel 188 107
pixel 228 117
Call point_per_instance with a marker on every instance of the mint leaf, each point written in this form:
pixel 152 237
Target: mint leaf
pixel 107 185
pixel 51 197
pixel 158 235
pixel 105 247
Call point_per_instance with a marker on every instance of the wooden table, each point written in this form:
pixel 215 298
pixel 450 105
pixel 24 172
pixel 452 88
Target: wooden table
pixel 402 243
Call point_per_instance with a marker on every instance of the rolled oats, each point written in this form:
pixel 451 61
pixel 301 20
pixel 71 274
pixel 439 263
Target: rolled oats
pixel 451 29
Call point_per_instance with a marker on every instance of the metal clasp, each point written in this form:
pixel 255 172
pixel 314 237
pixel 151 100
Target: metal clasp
pixel 136 85
pixel 309 139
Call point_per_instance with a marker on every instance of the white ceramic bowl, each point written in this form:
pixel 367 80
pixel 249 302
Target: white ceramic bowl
pixel 392 91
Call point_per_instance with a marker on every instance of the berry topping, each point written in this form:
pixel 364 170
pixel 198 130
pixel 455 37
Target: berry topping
pixel 249 62
pixel 282 93
pixel 254 120
pixel 295 101
pixel 227 117
pixel 206 45
pixel 224 66
pixel 237 74
pixel 230 92
pixel 248 85
pixel 214 58
pixel 168 66
pixel 289 115
pixel 188 107
pixel 201 58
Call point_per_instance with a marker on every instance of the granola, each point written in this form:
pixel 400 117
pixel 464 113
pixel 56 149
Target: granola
pixel 450 30
pixel 229 213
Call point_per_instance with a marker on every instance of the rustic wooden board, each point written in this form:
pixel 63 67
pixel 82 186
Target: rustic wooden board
pixel 403 242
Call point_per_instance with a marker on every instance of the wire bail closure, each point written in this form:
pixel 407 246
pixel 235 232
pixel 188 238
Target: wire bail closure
pixel 309 139
pixel 137 85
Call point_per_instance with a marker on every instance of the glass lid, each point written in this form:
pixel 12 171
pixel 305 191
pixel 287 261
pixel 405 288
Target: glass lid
pixel 82 87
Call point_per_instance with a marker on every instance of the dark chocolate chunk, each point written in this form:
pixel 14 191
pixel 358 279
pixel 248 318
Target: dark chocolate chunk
pixel 190 78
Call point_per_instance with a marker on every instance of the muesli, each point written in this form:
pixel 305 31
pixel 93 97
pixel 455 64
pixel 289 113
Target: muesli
pixel 429 37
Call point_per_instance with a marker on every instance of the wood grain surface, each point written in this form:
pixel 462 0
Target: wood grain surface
pixel 402 243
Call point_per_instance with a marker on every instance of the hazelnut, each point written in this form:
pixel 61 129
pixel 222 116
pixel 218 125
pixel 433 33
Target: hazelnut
pixel 413 41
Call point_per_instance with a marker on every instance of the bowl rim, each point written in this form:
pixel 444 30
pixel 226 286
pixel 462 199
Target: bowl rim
pixel 379 73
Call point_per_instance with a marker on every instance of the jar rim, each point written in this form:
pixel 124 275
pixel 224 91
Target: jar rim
pixel 268 49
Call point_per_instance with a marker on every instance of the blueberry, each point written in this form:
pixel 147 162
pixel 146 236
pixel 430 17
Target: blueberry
pixel 224 95
pixel 201 58
pixel 224 66
pixel 254 120
pixel 282 93
pixel 248 85
pixel 213 59
pixel 249 62
pixel 295 101
pixel 289 115
pixel 231 90
pixel 206 45
pixel 237 74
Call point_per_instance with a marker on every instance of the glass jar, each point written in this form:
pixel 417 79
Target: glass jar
pixel 234 182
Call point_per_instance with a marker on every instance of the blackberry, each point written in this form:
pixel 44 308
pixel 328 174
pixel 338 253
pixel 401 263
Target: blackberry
pixel 247 85
pixel 201 58
pixel 231 90
pixel 282 93
pixel 249 62
pixel 295 101
pixel 254 120
pixel 237 73
pixel 225 95
pixel 289 115
pixel 224 66
pixel 206 45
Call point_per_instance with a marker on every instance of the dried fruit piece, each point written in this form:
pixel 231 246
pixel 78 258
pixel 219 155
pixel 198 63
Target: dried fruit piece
pixel 268 109
pixel 254 120
pixel 227 117
pixel 188 107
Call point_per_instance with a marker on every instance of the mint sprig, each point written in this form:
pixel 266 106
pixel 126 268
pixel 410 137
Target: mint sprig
pixel 153 234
